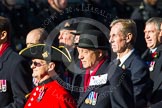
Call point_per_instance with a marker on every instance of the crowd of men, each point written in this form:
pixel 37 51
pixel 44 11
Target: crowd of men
pixel 81 57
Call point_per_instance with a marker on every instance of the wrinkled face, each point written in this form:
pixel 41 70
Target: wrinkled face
pixel 152 35
pixel 117 39
pixel 40 69
pixel 66 38
pixel 88 57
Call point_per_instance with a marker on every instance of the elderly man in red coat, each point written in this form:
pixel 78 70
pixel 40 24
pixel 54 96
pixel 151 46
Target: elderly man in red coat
pixel 49 93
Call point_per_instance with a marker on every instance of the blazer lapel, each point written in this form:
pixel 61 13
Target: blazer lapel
pixel 145 54
pixel 128 61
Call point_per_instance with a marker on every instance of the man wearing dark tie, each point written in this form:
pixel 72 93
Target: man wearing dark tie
pixel 122 38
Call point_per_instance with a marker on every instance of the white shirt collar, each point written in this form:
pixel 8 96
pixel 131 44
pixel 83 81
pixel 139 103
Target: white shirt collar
pixel 153 50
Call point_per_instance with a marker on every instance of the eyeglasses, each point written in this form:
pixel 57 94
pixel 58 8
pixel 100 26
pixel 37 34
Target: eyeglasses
pixel 37 64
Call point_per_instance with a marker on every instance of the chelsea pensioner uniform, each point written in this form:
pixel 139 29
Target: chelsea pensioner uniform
pixel 50 94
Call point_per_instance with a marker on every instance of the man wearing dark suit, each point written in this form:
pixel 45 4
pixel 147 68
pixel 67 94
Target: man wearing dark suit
pixel 15 73
pixel 122 37
pixel 103 84
pixel 153 55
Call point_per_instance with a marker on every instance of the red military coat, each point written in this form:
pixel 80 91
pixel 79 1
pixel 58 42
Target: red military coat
pixel 50 95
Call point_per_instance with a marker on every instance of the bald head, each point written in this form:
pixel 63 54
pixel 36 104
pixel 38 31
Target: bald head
pixel 36 36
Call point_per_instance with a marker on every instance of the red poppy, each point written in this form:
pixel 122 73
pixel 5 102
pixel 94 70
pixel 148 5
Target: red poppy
pixel 154 55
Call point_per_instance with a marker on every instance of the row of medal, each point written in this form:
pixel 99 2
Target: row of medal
pixel 41 93
pixel 3 85
pixel 92 98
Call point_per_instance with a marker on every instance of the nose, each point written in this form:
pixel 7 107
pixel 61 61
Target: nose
pixel 110 39
pixel 32 66
pixel 80 56
pixel 146 35
pixel 60 36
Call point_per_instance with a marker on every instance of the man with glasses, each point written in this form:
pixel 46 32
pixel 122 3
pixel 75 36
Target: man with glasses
pixel 153 55
pixel 45 64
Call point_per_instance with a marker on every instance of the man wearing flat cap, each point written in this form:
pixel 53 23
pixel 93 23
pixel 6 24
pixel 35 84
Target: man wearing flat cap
pixel 100 80
pixel 45 63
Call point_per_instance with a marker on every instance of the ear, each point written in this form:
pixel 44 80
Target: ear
pixel 3 35
pixel 129 37
pixel 51 66
pixel 99 53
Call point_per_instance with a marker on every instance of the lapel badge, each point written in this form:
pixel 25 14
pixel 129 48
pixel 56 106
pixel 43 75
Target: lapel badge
pixel 123 67
pixel 45 54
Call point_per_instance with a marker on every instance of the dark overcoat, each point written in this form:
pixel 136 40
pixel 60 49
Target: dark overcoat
pixel 142 84
pixel 16 71
pixel 156 74
pixel 117 92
